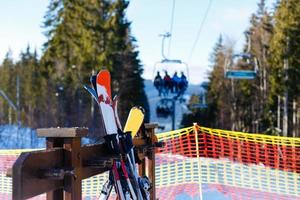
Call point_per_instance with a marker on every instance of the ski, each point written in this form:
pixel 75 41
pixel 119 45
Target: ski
pixel 115 108
pixel 107 187
pixel 93 81
pixel 92 92
pixel 104 99
pixel 133 124
pixel 134 121
pixel 111 137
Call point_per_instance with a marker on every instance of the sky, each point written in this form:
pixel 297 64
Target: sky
pixel 21 24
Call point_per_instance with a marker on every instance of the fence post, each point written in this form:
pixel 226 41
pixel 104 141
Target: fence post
pixel 52 143
pixel 198 159
pixel 70 141
pixel 150 131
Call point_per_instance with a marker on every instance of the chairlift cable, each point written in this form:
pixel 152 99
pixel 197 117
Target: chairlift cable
pixel 200 29
pixel 171 27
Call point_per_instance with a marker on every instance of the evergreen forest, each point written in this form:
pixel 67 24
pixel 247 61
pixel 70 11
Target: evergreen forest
pixel 270 103
pixel 83 37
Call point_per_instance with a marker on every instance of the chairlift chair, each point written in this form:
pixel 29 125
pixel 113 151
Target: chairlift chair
pixel 171 66
pixel 241 66
pixel 164 108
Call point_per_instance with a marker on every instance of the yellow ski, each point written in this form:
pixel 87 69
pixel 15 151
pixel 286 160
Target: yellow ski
pixel 134 121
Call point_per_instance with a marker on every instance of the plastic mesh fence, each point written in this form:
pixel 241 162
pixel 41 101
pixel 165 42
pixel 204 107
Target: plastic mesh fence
pixel 243 165
pixel 197 162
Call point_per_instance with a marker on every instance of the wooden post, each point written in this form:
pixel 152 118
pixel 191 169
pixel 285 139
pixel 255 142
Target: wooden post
pixel 70 140
pixel 50 144
pixel 150 132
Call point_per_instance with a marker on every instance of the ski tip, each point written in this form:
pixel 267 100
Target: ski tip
pixel 139 108
pixel 93 79
pixel 116 98
pixel 86 87
pixel 104 70
pixel 104 79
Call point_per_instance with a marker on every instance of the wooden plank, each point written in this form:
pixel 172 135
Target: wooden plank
pixel 151 160
pixel 27 173
pixel 139 142
pixel 57 194
pixel 62 132
pixel 151 126
pixel 142 168
pixel 93 152
pixel 72 160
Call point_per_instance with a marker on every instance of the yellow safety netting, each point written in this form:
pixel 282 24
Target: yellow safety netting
pixel 197 160
pixel 244 165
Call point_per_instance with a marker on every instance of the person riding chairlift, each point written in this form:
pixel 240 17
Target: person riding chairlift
pixel 167 83
pixel 182 84
pixel 158 83
pixel 175 83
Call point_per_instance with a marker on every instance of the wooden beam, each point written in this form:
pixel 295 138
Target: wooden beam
pixel 28 180
pixel 60 169
pixel 151 126
pixel 72 160
pixel 62 132
pixel 95 153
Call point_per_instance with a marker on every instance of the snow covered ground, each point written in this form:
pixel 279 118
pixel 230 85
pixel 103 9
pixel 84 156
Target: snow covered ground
pixel 14 137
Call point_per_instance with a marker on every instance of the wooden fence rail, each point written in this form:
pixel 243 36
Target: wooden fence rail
pixel 60 169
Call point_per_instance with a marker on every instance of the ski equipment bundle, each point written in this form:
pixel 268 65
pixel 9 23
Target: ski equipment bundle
pixel 123 175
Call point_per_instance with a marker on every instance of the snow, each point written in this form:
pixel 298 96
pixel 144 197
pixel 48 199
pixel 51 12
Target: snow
pixel 15 137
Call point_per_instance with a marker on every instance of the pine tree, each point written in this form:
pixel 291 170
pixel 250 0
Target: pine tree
pixel 126 67
pixel 83 37
pixel 255 92
pixel 219 97
pixel 8 86
pixel 31 90
pixel 285 46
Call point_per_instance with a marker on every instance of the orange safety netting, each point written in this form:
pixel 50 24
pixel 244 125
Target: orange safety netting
pixel 272 151
pixel 261 166
pixel 198 162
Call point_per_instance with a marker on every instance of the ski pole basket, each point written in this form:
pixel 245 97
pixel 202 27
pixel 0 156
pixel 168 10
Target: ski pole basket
pixel 59 170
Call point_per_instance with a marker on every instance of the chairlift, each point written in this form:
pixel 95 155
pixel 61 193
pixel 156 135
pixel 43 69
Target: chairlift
pixel 241 66
pixel 171 66
pixel 170 75
pixel 168 67
pixel 164 108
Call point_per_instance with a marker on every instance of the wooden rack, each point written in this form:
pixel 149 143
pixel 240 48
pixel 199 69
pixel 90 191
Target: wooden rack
pixel 60 169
